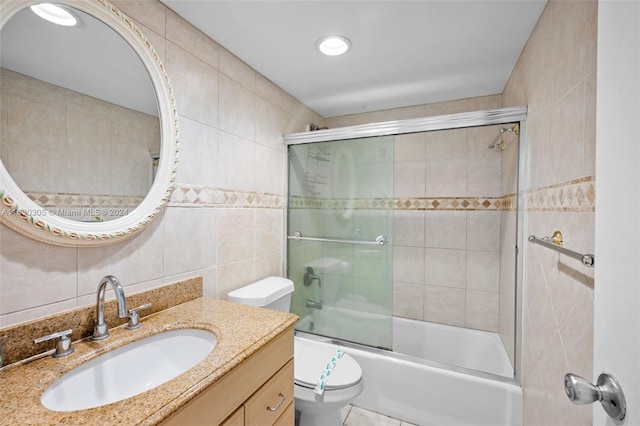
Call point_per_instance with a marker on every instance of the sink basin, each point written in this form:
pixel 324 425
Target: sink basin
pixel 129 370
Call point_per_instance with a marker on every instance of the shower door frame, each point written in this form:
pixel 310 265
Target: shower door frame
pixel 444 122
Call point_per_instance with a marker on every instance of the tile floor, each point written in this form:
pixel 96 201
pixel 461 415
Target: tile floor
pixel 356 416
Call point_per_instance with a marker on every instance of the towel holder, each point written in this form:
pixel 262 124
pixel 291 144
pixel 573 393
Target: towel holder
pixel 555 243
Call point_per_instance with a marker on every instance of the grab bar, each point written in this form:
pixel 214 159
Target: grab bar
pixel 380 240
pixel 586 259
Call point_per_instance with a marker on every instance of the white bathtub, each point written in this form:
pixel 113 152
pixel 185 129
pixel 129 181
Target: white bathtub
pixel 418 382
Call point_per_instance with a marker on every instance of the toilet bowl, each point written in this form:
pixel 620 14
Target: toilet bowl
pixel 311 360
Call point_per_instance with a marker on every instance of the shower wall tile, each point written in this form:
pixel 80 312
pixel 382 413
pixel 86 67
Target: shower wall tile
pixel 483 231
pixel 446 144
pixel 408 264
pixel 555 76
pixel 446 177
pixel 445 229
pixel 410 147
pixel 445 268
pixel 408 300
pixel 444 305
pixel 409 228
pixel 483 270
pixel 484 177
pixel 482 310
pixel 409 179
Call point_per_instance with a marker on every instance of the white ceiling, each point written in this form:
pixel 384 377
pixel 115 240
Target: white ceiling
pixel 91 59
pixel 404 52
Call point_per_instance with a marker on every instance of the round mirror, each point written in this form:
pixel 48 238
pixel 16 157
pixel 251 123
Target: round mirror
pixel 88 137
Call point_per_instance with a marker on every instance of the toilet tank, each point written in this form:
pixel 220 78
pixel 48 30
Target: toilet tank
pixel 271 293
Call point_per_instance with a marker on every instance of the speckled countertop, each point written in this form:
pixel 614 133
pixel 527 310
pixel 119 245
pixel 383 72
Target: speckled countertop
pixel 241 331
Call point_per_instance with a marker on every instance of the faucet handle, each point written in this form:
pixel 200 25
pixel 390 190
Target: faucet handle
pixel 63 344
pixel 134 317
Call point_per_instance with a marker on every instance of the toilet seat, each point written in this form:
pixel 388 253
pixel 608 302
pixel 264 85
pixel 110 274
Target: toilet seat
pixel 311 359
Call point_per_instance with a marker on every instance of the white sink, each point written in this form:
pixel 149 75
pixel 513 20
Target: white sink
pixel 129 370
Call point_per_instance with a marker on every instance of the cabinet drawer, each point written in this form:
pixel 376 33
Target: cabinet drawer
pixel 272 399
pixel 236 419
pixel 288 418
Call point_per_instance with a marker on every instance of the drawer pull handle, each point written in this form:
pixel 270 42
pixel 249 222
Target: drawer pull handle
pixel 282 398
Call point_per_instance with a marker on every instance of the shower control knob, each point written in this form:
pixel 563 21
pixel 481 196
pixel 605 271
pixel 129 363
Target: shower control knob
pixel 607 391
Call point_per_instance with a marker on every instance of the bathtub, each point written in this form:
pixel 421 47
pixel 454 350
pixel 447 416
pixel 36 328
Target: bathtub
pixel 436 374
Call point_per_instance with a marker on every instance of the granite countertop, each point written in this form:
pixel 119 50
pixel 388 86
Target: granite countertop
pixel 240 330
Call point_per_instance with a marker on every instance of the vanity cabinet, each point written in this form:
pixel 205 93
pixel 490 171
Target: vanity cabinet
pixel 257 392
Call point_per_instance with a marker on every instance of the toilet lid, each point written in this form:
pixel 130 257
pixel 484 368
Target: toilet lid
pixel 311 359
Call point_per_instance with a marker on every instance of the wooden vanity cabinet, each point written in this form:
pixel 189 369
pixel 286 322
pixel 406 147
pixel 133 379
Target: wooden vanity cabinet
pixel 245 394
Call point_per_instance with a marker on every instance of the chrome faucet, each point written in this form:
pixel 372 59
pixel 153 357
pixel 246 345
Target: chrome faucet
pixel 101 330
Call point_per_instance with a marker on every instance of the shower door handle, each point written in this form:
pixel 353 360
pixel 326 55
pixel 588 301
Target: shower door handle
pixel 607 391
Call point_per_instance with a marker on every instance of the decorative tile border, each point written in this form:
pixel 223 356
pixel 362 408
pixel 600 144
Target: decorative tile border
pixel 575 195
pixel 199 196
pixel 55 200
pixel 405 203
pixel 448 203
pixel 578 195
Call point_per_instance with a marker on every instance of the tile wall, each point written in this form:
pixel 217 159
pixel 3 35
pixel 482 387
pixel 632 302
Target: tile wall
pixel 447 250
pixel 556 77
pixel 51 130
pixel 225 219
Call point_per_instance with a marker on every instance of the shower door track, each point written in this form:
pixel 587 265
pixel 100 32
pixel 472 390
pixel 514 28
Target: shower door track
pixel 414 125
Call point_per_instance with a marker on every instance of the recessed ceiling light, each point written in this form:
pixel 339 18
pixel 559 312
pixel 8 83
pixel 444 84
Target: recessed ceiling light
pixel 333 45
pixel 55 14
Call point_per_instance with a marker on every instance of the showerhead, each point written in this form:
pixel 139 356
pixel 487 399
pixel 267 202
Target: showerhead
pixel 500 144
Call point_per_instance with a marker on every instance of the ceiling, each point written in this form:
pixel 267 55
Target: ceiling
pixel 404 52
pixel 68 57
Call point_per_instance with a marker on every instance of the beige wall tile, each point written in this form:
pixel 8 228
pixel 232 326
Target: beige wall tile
pixel 408 264
pixel 408 300
pixel 200 158
pixel 445 267
pixel 409 179
pixel 483 271
pixel 189 239
pixel 183 34
pixel 236 231
pixel 483 230
pixel 32 276
pixel 238 106
pixel 482 310
pixel 195 85
pixel 408 228
pixel 235 162
pixel 445 229
pixel 444 305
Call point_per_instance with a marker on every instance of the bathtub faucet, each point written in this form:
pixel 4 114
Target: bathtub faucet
pixel 312 304
pixel 310 276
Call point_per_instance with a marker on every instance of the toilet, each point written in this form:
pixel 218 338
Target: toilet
pixel 310 360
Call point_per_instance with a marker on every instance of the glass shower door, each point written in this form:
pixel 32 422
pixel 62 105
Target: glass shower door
pixel 340 228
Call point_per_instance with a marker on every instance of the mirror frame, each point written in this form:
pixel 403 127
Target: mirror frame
pixel 23 215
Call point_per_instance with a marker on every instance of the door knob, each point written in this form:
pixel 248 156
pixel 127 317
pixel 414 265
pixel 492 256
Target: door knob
pixel 607 391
